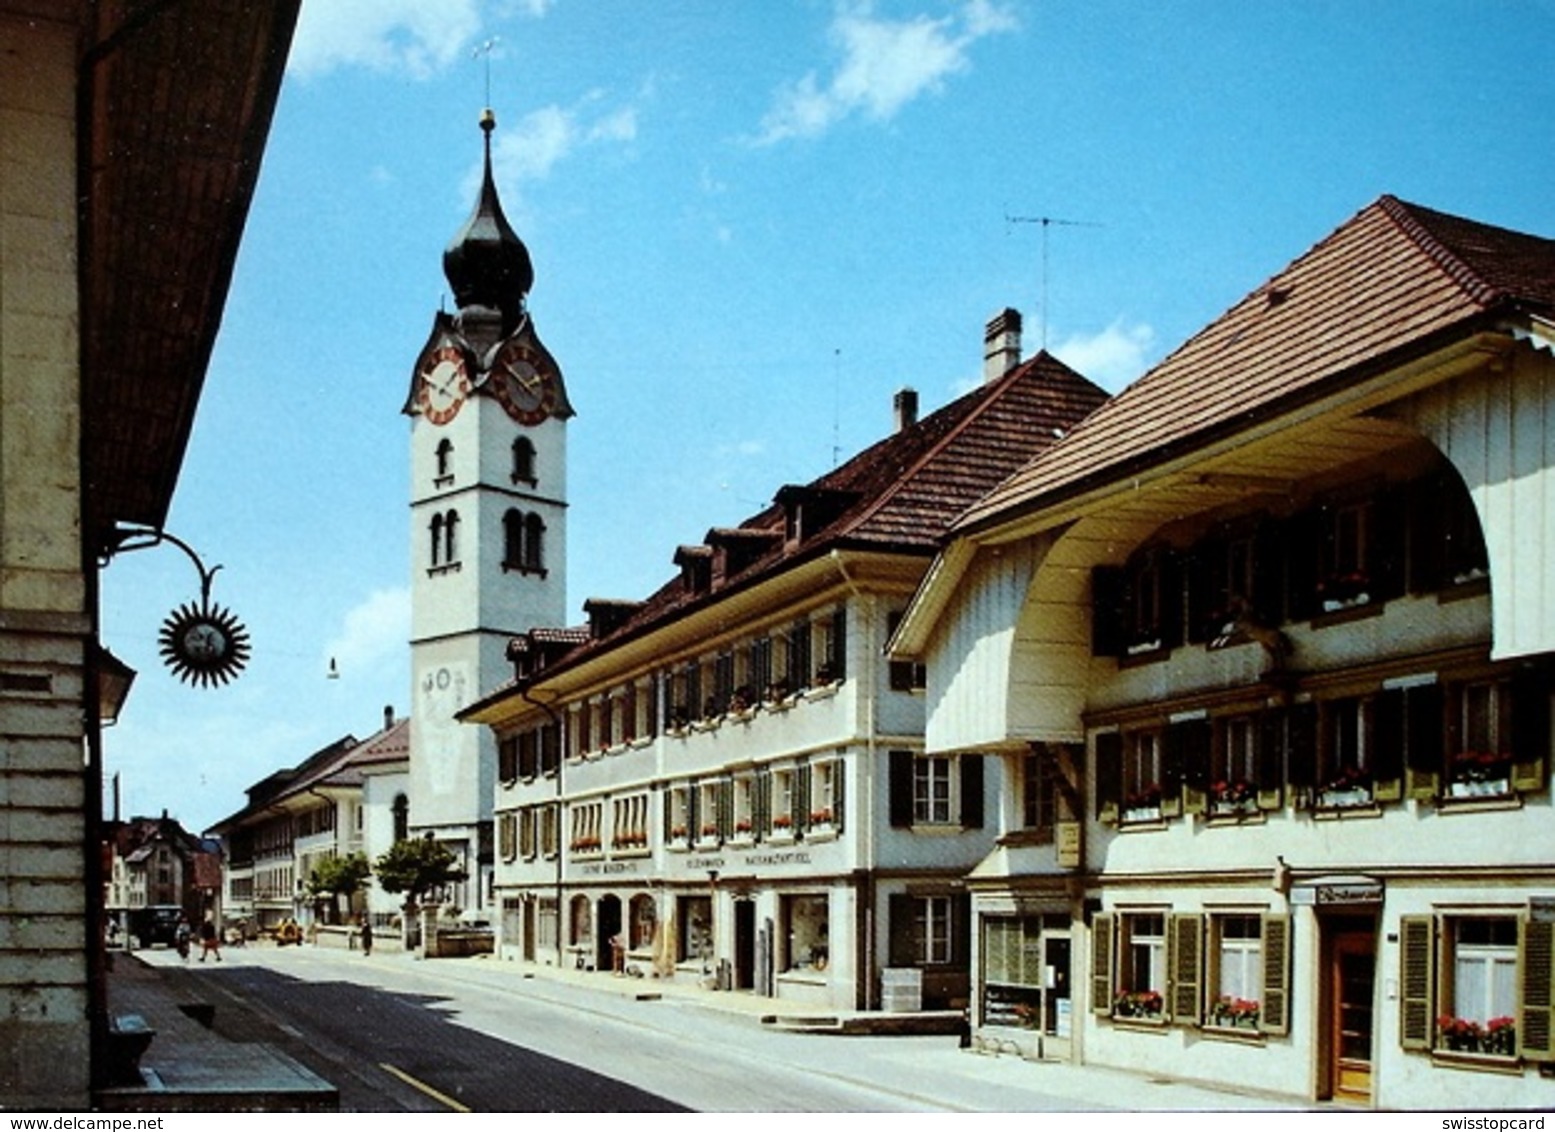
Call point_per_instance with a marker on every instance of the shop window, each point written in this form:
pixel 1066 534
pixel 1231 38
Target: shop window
pixel 694 915
pixel 546 922
pixel 643 919
pixel 1012 971
pixel 807 928
pixel 1477 984
pixel 580 922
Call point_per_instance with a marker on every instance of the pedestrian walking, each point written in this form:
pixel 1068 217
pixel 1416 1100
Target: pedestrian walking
pixel 367 936
pixel 210 940
pixel 181 936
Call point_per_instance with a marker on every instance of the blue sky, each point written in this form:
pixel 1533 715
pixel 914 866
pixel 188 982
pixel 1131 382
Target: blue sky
pixel 752 223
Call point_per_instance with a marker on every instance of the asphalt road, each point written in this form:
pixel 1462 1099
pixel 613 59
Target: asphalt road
pixel 396 1034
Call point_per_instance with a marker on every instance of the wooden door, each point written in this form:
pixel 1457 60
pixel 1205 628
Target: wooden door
pixel 1352 978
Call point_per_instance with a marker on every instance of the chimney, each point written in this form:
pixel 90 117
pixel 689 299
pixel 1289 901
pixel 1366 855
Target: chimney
pixel 388 716
pixel 905 404
pixel 1001 344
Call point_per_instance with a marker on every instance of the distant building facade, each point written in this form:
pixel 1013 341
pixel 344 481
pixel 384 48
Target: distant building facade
pixel 725 782
pixel 295 820
pixel 156 862
pixel 1266 647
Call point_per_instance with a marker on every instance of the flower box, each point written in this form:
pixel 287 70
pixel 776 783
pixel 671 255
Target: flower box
pixel 1234 1013
pixel 1145 1004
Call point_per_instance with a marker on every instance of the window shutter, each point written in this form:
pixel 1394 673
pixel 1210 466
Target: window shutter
pixel 839 644
pixel 1301 750
pixel 901 789
pixel 1270 756
pixel 800 810
pixel 1185 996
pixel 669 814
pixel 693 810
pixel 971 791
pixel 1424 731
pixel 1204 571
pixel 1536 978
pixel 961 931
pixel 1109 775
pixel 1103 931
pixel 1387 517
pixel 900 948
pixel 1530 729
pixel 1274 1012
pixel 839 778
pixel 725 817
pixel 1388 736
pixel 1306 540
pixel 1108 587
pixel 1269 559
pixel 1417 981
pixel 761 803
pixel 1196 750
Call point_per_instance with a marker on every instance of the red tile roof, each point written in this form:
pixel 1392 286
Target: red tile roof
pixel 1385 285
pixel 901 493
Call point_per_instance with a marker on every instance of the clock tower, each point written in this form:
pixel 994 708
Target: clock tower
pixel 488 434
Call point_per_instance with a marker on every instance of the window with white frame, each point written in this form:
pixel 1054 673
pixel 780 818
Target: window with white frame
pixel 783 779
pixel 1142 775
pixel 744 805
pixel 1345 751
pixel 1234 774
pixel 707 811
pixel 1142 970
pixel 679 828
pixel 1479 985
pixel 1236 958
pixel 1038 792
pixel 823 792
pixel 932 930
pixel 933 785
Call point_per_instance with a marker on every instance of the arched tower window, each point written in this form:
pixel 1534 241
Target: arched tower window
pixel 524 461
pixel 534 543
pixel 435 530
pixel 451 537
pixel 513 540
pixel 445 459
pixel 401 817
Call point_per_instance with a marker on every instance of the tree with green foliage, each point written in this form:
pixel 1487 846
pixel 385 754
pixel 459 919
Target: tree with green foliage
pixel 335 877
pixel 415 867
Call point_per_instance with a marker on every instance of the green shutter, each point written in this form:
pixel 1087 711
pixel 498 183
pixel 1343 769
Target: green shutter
pixel 1530 729
pixel 1274 1015
pixel 839 776
pixel 1536 979
pixel 761 803
pixel 1387 744
pixel 1185 963
pixel 799 801
pixel 1426 731
pixel 1270 759
pixel 900 772
pixel 1417 981
pixel 1102 981
pixel 1109 775
pixel 725 809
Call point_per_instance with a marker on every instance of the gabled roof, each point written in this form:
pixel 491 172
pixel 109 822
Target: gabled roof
pixel 1390 284
pixel 899 495
pixel 338 765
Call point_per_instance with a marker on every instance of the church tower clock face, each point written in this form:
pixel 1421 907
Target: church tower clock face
pixel 524 382
pixel 442 384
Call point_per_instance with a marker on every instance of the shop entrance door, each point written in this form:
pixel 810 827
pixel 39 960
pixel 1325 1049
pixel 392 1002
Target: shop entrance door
pixel 1351 975
pixel 1057 1021
pixel 744 944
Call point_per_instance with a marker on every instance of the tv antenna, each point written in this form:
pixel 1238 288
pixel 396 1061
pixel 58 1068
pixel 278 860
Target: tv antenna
pixel 1046 222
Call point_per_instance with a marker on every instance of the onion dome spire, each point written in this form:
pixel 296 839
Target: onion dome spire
pixel 487 265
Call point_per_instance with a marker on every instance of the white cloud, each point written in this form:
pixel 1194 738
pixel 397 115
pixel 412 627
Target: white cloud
pixel 1112 357
pixel 397 36
pixel 375 631
pixel 885 64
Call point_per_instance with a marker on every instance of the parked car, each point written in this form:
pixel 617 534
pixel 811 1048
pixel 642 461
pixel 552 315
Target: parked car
pixel 154 924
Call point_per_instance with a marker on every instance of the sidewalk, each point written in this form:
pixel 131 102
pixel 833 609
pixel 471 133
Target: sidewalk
pixel 192 1068
pixel 188 1067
